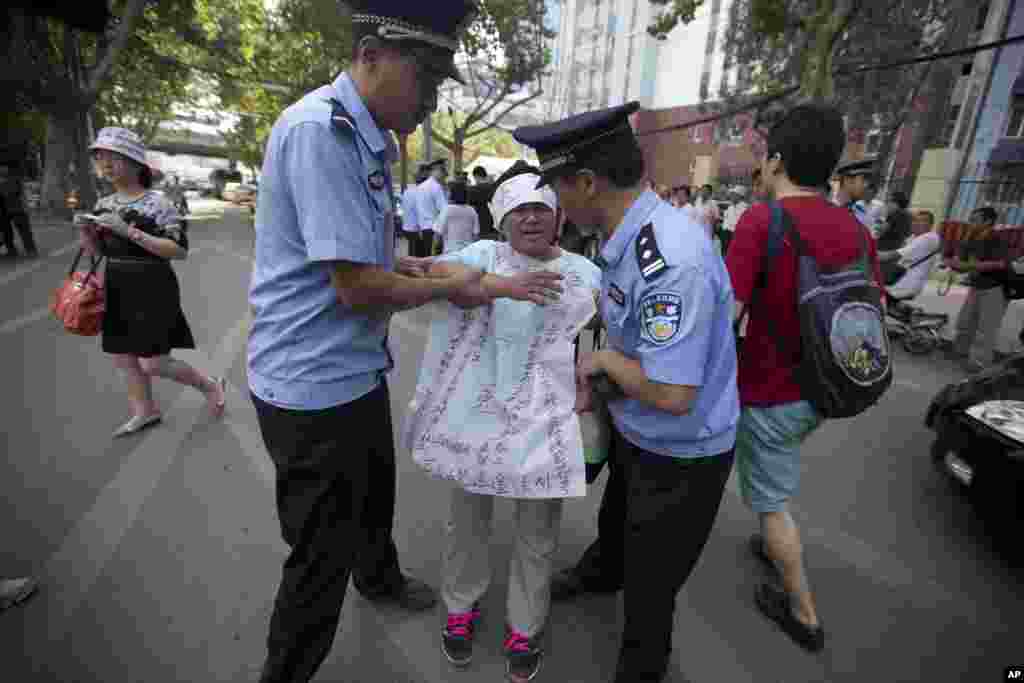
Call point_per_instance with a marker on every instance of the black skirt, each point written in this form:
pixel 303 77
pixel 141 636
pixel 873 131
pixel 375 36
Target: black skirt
pixel 143 316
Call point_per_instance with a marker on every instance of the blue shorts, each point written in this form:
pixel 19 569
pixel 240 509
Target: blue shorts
pixel 768 452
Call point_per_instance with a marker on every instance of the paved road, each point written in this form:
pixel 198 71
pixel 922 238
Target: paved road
pixel 159 554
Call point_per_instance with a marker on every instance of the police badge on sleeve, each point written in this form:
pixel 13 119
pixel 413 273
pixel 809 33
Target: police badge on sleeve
pixel 660 316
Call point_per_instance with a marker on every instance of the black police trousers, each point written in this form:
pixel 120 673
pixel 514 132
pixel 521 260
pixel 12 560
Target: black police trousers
pixel 655 518
pixel 335 490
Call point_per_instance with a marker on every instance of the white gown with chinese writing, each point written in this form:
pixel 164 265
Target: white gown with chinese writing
pixel 493 409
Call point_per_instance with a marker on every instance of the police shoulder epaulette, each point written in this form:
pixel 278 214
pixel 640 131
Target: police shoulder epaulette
pixel 648 256
pixel 340 118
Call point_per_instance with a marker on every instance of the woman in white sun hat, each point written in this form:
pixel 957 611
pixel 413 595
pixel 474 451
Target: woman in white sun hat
pixel 140 232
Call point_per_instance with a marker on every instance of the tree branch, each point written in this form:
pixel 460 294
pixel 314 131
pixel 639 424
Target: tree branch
pixel 496 119
pixel 132 12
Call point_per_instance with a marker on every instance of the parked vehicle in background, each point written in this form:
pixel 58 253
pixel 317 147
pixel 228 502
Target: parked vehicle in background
pixel 979 443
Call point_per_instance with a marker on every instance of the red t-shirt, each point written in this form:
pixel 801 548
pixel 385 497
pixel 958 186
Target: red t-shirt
pixel 833 237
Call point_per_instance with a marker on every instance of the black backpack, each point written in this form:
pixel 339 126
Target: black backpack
pixel 844 363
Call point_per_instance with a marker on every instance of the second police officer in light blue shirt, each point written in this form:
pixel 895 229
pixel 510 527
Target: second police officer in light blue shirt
pixel 856 189
pixel 324 286
pixel 667 304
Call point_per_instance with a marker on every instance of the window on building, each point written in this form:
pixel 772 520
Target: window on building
pixel 873 142
pixel 1015 126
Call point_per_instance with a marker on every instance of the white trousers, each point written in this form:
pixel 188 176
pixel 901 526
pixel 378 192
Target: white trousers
pixel 467 566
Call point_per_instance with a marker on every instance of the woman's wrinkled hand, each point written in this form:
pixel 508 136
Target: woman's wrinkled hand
pixel 540 287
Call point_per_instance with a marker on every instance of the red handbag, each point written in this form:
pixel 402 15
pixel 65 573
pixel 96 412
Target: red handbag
pixel 80 301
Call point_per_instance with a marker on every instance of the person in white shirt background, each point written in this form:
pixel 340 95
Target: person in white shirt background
pixel 458 225
pixel 430 202
pixel 919 256
pixel 410 221
pixel 738 194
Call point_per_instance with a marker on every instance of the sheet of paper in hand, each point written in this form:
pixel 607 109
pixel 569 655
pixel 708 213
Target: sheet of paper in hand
pixel 493 409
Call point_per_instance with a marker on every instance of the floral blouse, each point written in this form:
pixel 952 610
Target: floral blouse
pixel 152 213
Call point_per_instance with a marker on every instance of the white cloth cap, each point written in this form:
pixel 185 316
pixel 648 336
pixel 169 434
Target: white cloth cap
pixel 517 191
pixel 122 141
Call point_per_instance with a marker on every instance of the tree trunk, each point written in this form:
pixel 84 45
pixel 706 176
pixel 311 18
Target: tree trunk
pixel 458 149
pixel 84 178
pixel 60 151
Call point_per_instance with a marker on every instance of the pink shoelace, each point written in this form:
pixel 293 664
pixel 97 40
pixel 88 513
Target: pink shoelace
pixel 461 624
pixel 517 642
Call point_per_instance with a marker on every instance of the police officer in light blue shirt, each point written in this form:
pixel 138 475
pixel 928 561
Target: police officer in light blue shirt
pixel 323 288
pixel 667 304
pixel 856 188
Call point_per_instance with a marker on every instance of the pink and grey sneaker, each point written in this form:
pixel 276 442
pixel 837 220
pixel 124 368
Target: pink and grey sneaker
pixel 522 656
pixel 457 636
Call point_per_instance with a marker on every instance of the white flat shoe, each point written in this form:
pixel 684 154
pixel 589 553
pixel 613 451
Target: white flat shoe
pixel 137 424
pixel 16 591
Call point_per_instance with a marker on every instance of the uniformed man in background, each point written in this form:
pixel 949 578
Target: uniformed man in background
pixel 667 304
pixel 856 182
pixel 323 289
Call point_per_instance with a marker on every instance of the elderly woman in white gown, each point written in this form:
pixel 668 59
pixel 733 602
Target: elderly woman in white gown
pixel 494 412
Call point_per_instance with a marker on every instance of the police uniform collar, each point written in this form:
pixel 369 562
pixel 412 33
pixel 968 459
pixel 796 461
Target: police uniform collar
pixel 636 217
pixel 377 140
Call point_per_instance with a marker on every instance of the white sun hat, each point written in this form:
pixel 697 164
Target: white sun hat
pixel 122 141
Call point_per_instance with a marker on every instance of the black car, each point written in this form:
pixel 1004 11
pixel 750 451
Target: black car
pixel 979 442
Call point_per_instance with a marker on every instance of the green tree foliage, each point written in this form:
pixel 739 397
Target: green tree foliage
pixel 507 57
pixel 133 74
pixel 789 50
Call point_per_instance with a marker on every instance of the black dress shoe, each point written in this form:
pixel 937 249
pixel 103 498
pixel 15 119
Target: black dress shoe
pixel 775 604
pixel 568 584
pixel 412 594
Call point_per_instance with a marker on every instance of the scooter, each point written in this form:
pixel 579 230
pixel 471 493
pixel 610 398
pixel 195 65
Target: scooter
pixel 917 328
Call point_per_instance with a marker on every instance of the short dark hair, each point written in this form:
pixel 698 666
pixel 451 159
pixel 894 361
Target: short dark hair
pixel 458 192
pixel 622 165
pixel 988 214
pixel 900 199
pixel 809 139
pixel 480 172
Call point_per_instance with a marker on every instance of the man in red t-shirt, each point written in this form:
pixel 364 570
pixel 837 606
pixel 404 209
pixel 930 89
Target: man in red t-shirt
pixel 803 149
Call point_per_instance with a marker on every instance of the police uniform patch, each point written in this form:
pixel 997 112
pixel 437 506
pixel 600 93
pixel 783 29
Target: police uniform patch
pixel 660 315
pixel 616 294
pixel 376 180
pixel 648 256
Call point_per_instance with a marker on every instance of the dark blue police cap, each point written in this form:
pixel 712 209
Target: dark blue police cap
pixel 438 23
pixel 855 168
pixel 570 143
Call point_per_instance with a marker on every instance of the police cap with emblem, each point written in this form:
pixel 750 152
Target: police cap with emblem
pixel 568 145
pixel 437 24
pixel 856 168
